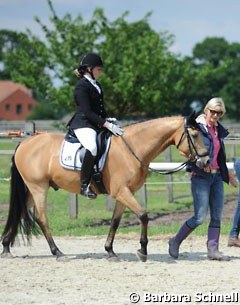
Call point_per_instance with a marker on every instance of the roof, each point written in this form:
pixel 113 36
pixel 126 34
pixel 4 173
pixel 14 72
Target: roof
pixel 8 87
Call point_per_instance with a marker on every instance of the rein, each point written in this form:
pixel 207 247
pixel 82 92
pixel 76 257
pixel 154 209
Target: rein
pixel 181 166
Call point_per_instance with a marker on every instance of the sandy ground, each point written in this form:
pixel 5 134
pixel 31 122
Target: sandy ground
pixel 34 276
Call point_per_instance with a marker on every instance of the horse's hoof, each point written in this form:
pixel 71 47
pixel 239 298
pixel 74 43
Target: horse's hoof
pixel 114 259
pixel 58 253
pixel 6 255
pixel 63 258
pixel 142 257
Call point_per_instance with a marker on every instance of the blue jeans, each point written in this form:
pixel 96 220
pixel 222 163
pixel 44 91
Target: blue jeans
pixel 208 193
pixel 236 218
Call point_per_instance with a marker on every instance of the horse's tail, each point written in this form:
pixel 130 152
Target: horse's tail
pixel 18 215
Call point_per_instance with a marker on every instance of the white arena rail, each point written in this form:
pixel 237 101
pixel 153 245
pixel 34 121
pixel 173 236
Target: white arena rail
pixel 167 166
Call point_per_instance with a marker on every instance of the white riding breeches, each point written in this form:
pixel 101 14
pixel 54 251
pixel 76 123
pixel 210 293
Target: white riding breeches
pixel 88 138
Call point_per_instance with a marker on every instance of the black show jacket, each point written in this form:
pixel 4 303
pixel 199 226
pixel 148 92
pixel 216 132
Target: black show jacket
pixel 90 111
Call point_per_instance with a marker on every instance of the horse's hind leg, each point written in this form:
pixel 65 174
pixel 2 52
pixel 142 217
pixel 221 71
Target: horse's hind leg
pixel 116 218
pixel 38 199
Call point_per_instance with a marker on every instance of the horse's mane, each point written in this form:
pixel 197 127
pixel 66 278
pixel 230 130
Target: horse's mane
pixel 146 120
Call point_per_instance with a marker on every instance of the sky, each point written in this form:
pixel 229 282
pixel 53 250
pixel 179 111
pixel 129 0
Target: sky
pixel 190 21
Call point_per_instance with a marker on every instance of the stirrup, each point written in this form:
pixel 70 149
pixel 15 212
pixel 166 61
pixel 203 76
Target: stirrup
pixel 87 192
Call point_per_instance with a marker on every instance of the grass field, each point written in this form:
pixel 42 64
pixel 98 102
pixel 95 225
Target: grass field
pixel 94 217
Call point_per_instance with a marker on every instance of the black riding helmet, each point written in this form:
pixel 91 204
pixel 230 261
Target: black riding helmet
pixel 90 60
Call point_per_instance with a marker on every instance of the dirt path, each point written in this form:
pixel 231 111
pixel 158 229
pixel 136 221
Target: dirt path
pixel 34 277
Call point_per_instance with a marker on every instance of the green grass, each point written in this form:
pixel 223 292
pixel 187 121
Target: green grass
pixel 6 144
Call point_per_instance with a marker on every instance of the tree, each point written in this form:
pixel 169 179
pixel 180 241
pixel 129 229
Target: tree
pixel 66 41
pixel 9 41
pixel 211 50
pixel 142 77
pixel 231 90
pixel 215 65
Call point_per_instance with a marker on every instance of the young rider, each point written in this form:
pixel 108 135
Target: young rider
pixel 90 116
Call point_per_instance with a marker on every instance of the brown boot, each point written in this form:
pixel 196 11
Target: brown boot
pixel 233 242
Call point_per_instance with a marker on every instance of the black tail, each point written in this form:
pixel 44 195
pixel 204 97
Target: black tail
pixel 18 215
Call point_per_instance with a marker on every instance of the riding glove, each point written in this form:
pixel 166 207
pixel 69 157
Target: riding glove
pixel 115 129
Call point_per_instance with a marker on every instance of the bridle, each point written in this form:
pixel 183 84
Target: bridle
pixel 191 146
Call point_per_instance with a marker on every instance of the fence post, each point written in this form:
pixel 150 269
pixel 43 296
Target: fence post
pixel 143 196
pixel 29 127
pixel 73 208
pixel 109 203
pixel 169 178
pixel 233 152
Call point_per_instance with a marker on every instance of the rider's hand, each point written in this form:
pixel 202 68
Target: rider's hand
pixel 115 129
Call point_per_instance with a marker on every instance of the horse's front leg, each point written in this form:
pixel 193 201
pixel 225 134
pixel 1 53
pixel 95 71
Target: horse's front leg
pixel 142 252
pixel 126 197
pixel 116 218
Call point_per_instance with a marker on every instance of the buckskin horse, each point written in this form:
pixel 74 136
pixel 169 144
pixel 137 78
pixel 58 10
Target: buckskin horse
pixel 36 167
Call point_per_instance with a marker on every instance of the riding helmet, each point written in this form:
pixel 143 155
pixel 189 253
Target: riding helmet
pixel 91 60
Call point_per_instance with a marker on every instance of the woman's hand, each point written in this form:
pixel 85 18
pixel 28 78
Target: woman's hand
pixel 232 179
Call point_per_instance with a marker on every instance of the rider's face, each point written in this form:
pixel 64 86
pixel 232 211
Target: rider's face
pixel 96 71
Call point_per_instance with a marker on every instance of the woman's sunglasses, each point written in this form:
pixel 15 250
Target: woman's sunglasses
pixel 218 113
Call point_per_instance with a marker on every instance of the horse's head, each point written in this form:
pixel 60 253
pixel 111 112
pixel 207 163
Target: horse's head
pixel 190 144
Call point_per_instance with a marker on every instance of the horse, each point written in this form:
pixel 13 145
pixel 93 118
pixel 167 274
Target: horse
pixel 36 167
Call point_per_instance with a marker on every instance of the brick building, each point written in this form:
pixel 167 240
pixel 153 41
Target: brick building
pixel 16 101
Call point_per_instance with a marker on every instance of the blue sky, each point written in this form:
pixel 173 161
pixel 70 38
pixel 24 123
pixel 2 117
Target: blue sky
pixel 189 20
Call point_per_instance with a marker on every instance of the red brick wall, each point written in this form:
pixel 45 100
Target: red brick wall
pixel 16 106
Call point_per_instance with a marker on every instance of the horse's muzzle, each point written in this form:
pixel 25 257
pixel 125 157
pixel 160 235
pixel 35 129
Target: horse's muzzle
pixel 202 162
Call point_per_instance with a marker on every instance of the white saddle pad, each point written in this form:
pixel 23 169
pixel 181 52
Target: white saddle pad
pixel 70 155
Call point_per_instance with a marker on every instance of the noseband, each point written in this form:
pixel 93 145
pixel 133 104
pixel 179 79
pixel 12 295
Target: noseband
pixel 192 147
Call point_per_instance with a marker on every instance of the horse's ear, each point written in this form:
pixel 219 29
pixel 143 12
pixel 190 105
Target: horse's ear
pixel 191 119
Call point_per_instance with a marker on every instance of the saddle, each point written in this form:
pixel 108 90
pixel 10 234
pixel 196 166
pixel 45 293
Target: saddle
pixel 72 153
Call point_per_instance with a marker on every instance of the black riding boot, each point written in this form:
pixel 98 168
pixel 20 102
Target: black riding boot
pixel 86 174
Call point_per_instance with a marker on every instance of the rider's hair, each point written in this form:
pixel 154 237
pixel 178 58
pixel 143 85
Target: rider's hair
pixel 87 63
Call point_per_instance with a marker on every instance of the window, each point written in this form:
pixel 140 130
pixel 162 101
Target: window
pixel 18 108
pixel 7 107
pixel 30 107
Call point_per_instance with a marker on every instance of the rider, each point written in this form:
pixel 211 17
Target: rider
pixel 90 116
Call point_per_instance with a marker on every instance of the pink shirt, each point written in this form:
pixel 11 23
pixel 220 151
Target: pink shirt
pixel 216 145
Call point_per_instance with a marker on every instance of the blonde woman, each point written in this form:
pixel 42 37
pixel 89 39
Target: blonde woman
pixel 207 184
